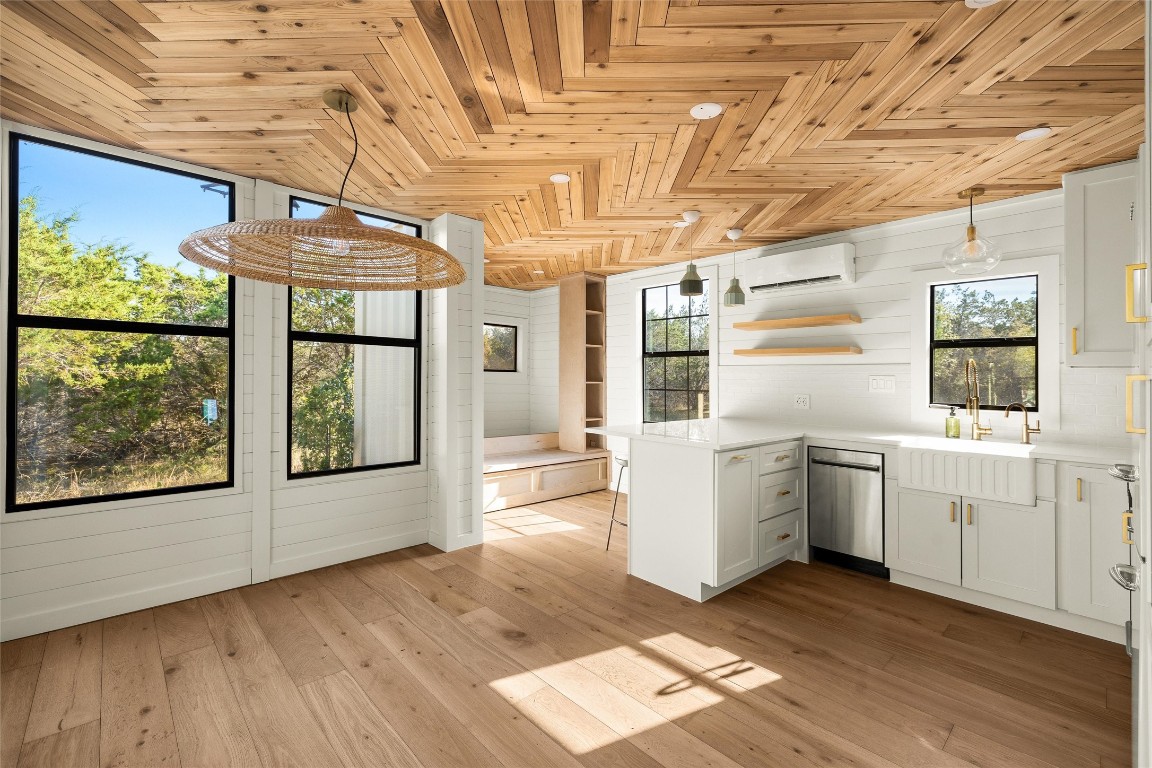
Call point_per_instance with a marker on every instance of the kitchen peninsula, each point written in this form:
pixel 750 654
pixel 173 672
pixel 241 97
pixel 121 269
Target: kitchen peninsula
pixel 713 502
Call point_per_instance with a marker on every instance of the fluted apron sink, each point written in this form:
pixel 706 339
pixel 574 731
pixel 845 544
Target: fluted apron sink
pixel 977 468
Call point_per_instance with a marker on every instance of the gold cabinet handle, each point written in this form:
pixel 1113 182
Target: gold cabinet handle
pixel 969 514
pixel 784 537
pixel 1079 489
pixel 1075 340
pixel 741 457
pixel 952 512
pixel 1125 524
pixel 783 493
pixel 1130 271
pixel 1129 380
pixel 783 457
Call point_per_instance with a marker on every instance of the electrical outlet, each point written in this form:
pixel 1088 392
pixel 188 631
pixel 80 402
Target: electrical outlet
pixel 800 402
pixel 882 385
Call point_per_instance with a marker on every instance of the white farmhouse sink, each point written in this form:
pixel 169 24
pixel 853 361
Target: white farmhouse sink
pixel 975 468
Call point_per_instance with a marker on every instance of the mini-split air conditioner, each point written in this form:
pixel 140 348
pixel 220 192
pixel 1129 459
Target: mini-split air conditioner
pixel 826 265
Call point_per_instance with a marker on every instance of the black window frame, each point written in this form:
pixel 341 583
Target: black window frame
pixel 17 321
pixel 515 349
pixel 416 343
pixel 645 355
pixel 985 343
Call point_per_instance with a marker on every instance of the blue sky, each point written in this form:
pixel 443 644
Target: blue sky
pixel 149 210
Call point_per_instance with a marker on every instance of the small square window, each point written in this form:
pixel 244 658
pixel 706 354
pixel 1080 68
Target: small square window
pixel 499 348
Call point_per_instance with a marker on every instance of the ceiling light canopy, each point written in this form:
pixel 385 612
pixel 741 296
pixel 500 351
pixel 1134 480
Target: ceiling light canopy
pixel 688 218
pixel 706 111
pixel 980 3
pixel 973 255
pixel 1032 134
pixel 559 178
pixel 334 250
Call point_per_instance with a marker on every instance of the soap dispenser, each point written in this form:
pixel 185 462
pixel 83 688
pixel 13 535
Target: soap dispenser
pixel 952 424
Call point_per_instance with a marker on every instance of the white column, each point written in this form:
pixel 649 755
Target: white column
pixel 455 391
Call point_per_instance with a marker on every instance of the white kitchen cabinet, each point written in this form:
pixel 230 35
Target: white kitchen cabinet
pixel 736 515
pixel 989 546
pixel 1089 537
pixel 1099 240
pixel 922 534
pixel 1010 550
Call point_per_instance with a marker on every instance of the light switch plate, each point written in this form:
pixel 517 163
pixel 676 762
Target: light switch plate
pixel 882 385
pixel 800 402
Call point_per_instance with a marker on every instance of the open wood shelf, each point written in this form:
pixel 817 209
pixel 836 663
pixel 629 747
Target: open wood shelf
pixel 812 321
pixel 784 351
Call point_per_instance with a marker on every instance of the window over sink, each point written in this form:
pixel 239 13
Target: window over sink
pixel 994 322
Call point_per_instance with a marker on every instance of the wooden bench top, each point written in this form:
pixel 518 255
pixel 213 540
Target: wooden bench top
pixel 501 462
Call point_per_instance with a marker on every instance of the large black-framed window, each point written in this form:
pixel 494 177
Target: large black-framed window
pixel 120 353
pixel 994 322
pixel 354 364
pixel 674 364
pixel 500 342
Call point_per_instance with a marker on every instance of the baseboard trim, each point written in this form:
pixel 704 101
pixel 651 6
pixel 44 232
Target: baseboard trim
pixel 338 555
pixel 1061 619
pixel 35 623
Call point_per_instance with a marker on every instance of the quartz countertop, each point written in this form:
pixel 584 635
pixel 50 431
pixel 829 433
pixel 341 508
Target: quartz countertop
pixel 725 434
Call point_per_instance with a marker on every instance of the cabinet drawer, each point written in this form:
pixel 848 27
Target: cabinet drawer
pixel 779 457
pixel 779 537
pixel 779 493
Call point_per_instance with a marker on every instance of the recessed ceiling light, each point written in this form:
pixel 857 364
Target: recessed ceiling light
pixel 980 3
pixel 560 178
pixel 706 111
pixel 537 271
pixel 487 260
pixel 1033 133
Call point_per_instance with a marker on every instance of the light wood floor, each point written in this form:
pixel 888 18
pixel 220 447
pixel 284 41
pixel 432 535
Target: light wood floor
pixel 536 649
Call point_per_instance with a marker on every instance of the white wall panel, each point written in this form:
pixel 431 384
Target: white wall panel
pixel 507 395
pixel 544 362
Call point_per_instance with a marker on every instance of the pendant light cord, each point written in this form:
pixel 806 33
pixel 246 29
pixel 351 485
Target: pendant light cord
pixel 971 206
pixel 355 150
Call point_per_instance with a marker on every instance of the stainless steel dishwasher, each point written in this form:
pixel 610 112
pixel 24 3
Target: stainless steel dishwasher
pixel 846 508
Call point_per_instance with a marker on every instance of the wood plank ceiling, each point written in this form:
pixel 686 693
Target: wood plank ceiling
pixel 837 113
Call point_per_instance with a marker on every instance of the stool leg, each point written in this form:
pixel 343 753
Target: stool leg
pixel 612 522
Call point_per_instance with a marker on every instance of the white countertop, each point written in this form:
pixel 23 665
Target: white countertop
pixel 731 434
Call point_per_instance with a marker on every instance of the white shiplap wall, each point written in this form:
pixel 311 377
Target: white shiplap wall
pixel 1092 408
pixel 75 564
pixel 544 362
pixel 507 399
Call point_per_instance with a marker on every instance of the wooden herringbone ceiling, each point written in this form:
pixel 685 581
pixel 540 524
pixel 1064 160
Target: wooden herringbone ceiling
pixel 837 114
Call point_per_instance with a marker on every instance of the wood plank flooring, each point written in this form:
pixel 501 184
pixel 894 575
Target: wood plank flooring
pixel 536 649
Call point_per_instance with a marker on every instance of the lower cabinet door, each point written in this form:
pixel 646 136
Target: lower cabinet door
pixel 1010 550
pixel 736 486
pixel 922 534
pixel 779 537
pixel 1090 535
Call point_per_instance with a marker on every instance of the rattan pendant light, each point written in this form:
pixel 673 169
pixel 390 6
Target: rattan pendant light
pixel 334 250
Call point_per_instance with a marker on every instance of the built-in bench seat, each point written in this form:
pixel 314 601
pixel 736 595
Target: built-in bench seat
pixel 525 469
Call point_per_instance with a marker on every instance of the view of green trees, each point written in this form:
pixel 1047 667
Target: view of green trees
pixel 107 412
pixel 1002 308
pixel 323 409
pixel 499 347
pixel 675 386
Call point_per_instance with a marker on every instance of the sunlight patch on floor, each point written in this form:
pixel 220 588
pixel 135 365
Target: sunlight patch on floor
pixel 502 525
pixel 590 702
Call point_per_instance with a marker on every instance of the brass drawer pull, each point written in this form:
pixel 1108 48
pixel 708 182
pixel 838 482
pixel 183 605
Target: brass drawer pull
pixel 1128 382
pixel 783 537
pixel 952 513
pixel 1126 523
pixel 1075 340
pixel 1079 489
pixel 783 457
pixel 1130 315
pixel 741 457
pixel 969 514
pixel 783 493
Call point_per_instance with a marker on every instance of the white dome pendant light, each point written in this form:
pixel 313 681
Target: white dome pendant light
pixel 973 255
pixel 734 296
pixel 691 284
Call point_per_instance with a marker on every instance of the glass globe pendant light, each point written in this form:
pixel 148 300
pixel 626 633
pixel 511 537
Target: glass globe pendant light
pixel 734 296
pixel 691 284
pixel 973 255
